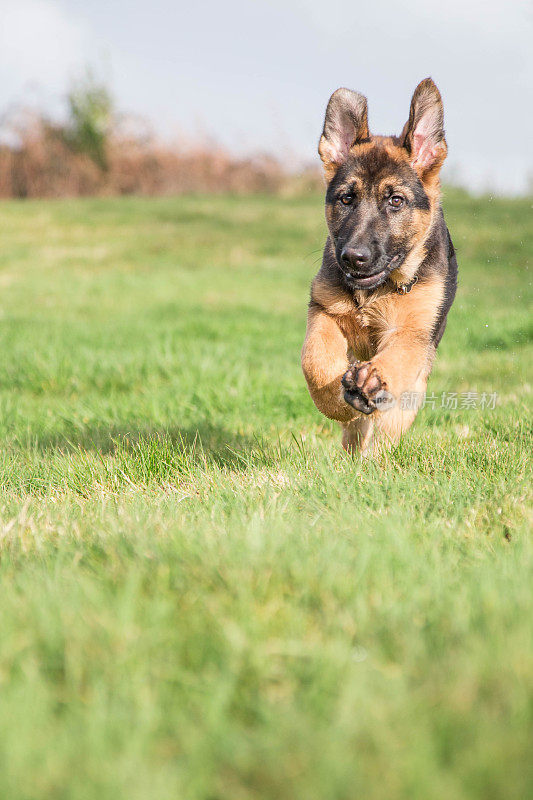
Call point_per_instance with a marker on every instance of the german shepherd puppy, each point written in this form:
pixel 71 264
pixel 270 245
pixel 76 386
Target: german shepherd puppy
pixel 388 277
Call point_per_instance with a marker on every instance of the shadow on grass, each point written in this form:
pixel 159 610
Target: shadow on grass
pixel 204 442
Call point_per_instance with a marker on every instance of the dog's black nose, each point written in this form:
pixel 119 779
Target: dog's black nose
pixel 356 256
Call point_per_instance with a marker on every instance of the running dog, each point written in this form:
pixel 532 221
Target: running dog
pixel 389 273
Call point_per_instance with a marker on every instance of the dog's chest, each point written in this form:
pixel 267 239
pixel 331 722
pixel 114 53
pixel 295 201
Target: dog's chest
pixel 365 325
pixel 359 334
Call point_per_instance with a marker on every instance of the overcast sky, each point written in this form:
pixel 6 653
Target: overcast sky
pixel 256 74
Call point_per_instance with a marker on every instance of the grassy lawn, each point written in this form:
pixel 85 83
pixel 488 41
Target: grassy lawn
pixel 203 597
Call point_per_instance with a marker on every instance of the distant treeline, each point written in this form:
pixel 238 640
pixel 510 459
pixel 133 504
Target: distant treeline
pixel 92 153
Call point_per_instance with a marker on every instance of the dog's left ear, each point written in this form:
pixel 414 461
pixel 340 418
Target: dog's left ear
pixel 423 134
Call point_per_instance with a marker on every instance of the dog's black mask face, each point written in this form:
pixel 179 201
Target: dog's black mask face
pixel 377 210
pixel 380 189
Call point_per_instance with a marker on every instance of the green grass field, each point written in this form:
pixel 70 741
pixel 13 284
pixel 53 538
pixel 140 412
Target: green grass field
pixel 203 597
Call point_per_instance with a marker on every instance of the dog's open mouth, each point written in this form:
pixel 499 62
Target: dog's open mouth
pixel 369 281
pixel 377 278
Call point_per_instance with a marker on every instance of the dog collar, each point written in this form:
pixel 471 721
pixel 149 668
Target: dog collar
pixel 405 288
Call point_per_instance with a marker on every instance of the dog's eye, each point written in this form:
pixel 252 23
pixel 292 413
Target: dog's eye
pixel 396 201
pixel 347 199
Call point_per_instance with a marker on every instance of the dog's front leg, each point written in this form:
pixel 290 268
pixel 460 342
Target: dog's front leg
pixel 324 362
pixel 391 385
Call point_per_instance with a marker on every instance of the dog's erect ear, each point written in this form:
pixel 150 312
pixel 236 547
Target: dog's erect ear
pixel 423 134
pixel 346 124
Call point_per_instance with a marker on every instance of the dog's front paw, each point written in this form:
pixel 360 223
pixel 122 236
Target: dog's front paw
pixel 364 388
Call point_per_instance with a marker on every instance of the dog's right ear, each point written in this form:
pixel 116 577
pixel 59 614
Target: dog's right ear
pixel 346 124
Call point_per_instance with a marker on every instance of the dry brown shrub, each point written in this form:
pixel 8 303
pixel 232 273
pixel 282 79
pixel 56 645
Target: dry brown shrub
pixel 42 164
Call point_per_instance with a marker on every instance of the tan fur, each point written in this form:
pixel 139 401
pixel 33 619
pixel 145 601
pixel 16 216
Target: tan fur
pixel 369 434
pixel 408 269
pixel 391 331
pixel 324 362
pixel 358 435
